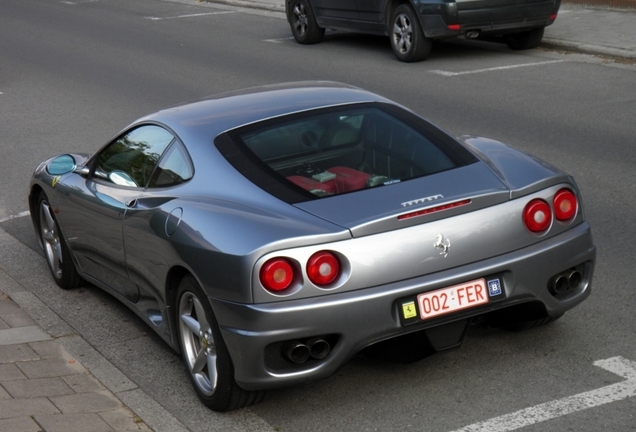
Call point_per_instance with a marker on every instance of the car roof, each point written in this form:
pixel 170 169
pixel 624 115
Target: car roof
pixel 207 118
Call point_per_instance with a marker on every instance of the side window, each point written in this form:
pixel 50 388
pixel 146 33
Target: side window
pixel 174 168
pixel 131 159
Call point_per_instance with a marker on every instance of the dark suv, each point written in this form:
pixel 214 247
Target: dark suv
pixel 412 24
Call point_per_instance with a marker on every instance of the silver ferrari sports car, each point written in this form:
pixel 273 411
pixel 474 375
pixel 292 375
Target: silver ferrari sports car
pixel 271 234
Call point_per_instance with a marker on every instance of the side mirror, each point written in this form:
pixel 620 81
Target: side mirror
pixel 61 165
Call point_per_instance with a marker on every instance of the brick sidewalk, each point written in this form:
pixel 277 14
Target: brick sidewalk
pixel 43 388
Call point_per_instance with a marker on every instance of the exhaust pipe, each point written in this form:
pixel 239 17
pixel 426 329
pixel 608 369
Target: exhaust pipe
pixel 560 284
pixel 564 281
pixel 296 352
pixel 318 348
pixel 472 34
pixel 574 279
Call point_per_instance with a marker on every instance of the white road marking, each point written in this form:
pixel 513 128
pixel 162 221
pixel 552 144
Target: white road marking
pixel 279 40
pixel 19 215
pixel 447 73
pixel 78 2
pixel 190 15
pixel 558 408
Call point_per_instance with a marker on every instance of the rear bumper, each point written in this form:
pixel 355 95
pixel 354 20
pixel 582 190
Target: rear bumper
pixel 360 318
pixel 436 18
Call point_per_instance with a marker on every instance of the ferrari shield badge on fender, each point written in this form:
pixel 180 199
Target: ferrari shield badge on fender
pixel 55 180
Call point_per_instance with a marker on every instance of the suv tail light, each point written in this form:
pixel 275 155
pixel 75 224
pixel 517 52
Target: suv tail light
pixel 277 274
pixel 323 268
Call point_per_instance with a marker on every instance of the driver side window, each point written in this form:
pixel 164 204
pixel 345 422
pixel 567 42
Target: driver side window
pixel 130 160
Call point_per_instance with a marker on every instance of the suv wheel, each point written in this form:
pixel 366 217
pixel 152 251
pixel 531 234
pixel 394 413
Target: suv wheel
pixel 407 39
pixel 303 23
pixel 525 40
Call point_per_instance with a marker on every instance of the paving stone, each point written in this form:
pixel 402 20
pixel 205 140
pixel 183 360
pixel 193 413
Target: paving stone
pixel 47 368
pixel 83 383
pixel 124 420
pixel 13 315
pixel 47 349
pixel 73 422
pixel 42 387
pixel 10 372
pixel 26 407
pixel 19 424
pixel 3 325
pixel 86 402
pixel 22 335
pixel 14 353
pixel 4 395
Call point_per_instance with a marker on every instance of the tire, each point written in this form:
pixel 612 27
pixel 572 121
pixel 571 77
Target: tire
pixel 407 38
pixel 56 252
pixel 303 23
pixel 206 357
pixel 525 40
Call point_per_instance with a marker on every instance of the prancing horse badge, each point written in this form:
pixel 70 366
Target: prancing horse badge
pixel 443 246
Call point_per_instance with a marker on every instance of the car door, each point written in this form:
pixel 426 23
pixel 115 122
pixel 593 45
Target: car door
pixel 371 10
pixel 149 223
pixel 336 9
pixel 94 205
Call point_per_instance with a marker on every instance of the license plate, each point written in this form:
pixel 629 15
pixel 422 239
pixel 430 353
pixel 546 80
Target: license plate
pixel 452 299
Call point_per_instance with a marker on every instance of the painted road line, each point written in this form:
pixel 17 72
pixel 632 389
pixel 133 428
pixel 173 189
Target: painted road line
pixel 189 16
pixel 19 215
pixel 279 40
pixel 450 74
pixel 571 404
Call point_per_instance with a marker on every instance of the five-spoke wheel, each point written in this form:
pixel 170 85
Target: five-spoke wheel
pixel 197 343
pixel 57 255
pixel 206 357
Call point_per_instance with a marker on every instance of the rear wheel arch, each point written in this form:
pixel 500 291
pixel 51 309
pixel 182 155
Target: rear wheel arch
pixel 388 11
pixel 206 357
pixel 173 279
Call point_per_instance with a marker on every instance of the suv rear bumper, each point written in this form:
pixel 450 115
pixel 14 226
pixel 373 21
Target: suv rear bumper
pixel 488 18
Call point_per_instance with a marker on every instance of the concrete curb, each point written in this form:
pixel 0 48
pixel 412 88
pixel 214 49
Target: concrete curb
pixel 587 48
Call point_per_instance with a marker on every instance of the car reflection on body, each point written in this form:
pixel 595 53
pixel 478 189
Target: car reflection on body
pixel 269 235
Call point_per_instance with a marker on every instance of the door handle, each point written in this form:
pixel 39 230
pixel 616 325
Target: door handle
pixel 132 203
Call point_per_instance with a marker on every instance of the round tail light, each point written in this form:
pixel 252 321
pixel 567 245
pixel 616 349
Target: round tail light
pixel 537 215
pixel 564 205
pixel 323 268
pixel 277 274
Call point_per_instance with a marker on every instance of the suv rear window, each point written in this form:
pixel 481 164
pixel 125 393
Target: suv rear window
pixel 334 151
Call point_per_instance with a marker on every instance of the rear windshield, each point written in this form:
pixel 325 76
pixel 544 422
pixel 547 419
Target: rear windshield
pixel 336 151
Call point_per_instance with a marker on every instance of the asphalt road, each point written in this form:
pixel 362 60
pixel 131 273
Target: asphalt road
pixel 73 73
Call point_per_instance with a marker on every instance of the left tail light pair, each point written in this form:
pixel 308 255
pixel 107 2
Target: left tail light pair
pixel 537 215
pixel 277 274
